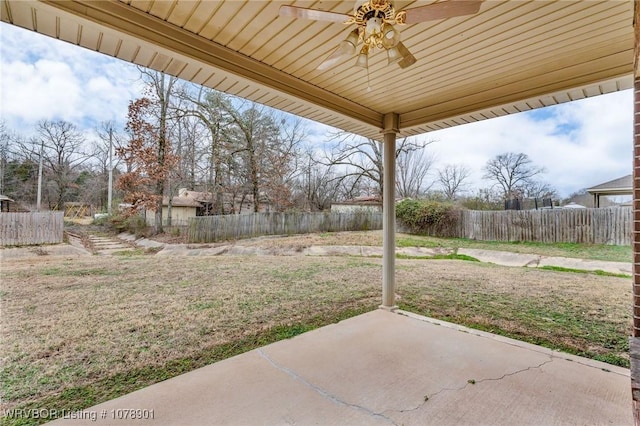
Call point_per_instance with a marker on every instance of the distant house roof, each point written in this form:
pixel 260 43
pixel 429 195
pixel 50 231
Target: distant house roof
pixel 207 197
pixel 619 186
pixel 203 197
pixel 181 202
pixel 5 198
pixel 573 205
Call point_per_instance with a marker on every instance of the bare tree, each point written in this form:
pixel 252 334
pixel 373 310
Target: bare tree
pixel 316 184
pixel 359 161
pixel 63 150
pixel 280 169
pixel 539 189
pixel 109 140
pixel 19 164
pixel 511 172
pixel 5 139
pixel 211 109
pixel 191 146
pixel 452 179
pixel 255 134
pixel 412 169
pixel 161 89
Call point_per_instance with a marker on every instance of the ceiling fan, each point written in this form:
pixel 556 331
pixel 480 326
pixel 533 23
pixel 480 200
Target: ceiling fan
pixel 375 20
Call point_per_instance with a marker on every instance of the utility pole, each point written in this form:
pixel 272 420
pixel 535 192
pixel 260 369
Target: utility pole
pixel 110 187
pixel 39 199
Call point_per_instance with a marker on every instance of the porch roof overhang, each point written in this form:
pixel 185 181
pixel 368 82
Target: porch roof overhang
pixel 512 56
pixel 619 186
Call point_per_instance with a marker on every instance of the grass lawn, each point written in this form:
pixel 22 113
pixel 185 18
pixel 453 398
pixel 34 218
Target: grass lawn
pixel 374 238
pixel 580 251
pixel 76 332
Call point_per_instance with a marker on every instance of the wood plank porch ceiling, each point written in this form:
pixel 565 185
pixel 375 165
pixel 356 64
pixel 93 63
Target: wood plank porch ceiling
pixel 512 56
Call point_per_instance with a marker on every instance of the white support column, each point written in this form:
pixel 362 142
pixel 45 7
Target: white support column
pixel 634 340
pixel 389 212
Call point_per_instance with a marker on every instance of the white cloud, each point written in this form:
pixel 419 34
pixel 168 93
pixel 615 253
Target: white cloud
pixel 43 90
pixel 43 78
pixel 580 144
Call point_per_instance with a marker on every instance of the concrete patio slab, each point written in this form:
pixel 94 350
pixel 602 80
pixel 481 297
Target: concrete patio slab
pixel 386 368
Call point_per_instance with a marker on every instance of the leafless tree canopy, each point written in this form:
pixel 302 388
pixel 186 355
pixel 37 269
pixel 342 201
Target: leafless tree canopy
pixel 360 166
pixel 452 178
pixel 233 152
pixel 62 147
pixel 511 172
pixel 539 189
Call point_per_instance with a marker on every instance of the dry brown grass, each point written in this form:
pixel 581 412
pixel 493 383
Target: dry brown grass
pixel 66 322
pixel 582 313
pixel 363 238
pixel 71 322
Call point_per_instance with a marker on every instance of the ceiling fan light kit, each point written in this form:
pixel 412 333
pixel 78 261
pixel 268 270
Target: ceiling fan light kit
pixel 363 58
pixel 393 55
pixel 346 49
pixel 375 20
pixel 391 37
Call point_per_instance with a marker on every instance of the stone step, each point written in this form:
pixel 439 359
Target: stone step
pixel 109 252
pixel 108 245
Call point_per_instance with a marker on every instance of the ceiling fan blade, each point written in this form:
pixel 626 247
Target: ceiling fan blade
pixel 336 57
pixel 445 9
pixel 407 58
pixel 313 14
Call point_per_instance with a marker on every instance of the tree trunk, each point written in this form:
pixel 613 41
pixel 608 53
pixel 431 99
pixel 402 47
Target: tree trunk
pixel 217 183
pixel 253 165
pixel 158 218
pixel 169 209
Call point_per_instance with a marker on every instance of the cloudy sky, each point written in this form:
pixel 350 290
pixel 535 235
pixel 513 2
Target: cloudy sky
pixel 580 144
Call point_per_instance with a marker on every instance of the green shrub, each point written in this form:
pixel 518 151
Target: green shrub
pixel 428 217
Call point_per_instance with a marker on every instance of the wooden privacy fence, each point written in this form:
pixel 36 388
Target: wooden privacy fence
pixel 18 229
pixel 208 229
pixel 592 226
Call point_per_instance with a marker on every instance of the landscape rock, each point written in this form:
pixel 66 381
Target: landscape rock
pixel 501 257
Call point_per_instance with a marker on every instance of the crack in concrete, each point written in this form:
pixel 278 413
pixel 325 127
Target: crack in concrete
pixel 535 262
pixel 475 382
pixel 321 391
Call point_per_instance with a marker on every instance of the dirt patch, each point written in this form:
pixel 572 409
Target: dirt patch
pixel 364 238
pixel 170 238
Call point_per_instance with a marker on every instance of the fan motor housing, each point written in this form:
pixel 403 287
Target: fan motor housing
pixel 374 9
